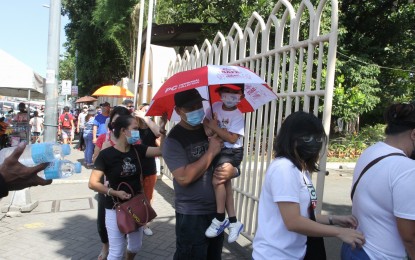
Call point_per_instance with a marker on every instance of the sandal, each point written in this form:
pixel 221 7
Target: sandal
pixel 103 255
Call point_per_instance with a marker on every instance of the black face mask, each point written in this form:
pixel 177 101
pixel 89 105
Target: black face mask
pixel 308 150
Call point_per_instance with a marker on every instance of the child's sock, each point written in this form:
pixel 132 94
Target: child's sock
pixel 220 216
pixel 233 219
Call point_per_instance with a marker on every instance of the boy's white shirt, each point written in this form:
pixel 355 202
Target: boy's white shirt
pixel 233 121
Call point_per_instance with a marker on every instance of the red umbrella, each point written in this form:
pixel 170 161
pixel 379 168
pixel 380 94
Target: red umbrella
pixel 257 92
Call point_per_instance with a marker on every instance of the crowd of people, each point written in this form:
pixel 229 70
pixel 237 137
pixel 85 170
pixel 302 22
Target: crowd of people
pixel 202 151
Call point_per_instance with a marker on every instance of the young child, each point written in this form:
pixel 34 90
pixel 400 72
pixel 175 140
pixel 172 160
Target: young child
pixel 228 123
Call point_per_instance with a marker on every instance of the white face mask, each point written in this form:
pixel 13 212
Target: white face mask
pixel 230 100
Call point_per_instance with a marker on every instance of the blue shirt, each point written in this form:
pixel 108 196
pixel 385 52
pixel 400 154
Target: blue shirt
pixel 88 126
pixel 100 123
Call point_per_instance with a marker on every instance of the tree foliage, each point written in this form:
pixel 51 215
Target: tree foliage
pixel 376 50
pixel 99 60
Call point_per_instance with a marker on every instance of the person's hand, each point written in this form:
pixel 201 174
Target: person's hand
pixel 223 173
pixel 352 237
pixel 140 114
pixel 94 140
pixel 17 176
pixel 348 221
pixel 163 121
pixel 122 195
pixel 213 123
pixel 215 144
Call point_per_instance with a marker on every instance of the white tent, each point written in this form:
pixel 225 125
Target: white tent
pixel 19 80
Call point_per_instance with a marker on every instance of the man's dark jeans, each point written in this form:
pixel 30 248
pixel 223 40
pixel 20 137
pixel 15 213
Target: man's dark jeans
pixel 191 242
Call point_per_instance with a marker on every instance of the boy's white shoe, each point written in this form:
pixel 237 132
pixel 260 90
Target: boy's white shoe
pixel 234 230
pixel 216 227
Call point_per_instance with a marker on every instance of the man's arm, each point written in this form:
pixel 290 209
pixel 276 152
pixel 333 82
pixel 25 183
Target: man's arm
pixel 191 172
pixel 94 133
pixel 406 229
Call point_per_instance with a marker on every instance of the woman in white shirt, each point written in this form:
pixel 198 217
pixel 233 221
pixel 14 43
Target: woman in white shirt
pixel 287 225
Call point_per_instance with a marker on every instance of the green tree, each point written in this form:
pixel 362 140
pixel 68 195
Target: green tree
pixel 99 60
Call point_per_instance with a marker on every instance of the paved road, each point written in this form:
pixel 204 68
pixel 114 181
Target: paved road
pixel 63 225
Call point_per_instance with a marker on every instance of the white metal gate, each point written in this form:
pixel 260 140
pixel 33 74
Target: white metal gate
pixel 297 62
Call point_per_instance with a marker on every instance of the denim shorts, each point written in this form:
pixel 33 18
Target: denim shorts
pixel 229 155
pixel 347 253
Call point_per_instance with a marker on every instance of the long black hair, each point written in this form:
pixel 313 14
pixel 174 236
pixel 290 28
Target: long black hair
pixel 296 126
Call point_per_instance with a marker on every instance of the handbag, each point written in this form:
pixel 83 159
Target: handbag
pixel 136 212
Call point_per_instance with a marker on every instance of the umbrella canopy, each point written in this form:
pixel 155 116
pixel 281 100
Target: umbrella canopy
pixel 86 99
pixel 112 91
pixel 256 91
pixel 17 79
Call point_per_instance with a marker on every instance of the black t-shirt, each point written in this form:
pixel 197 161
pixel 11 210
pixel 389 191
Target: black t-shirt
pixel 121 167
pixel 149 163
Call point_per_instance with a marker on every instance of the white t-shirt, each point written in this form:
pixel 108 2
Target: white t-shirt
pixel 81 119
pixel 283 183
pixel 36 123
pixel 386 191
pixel 233 121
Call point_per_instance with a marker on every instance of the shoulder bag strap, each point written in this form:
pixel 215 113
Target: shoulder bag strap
pixel 370 165
pixel 141 169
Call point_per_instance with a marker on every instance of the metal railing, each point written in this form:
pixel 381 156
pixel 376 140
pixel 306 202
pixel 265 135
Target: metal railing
pixel 299 69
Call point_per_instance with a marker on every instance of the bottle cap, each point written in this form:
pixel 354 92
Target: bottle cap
pixel 78 167
pixel 66 149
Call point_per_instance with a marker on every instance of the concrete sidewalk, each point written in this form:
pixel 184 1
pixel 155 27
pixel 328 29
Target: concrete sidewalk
pixel 63 225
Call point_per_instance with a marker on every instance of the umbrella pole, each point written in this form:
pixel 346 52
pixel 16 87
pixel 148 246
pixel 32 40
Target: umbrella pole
pixel 210 101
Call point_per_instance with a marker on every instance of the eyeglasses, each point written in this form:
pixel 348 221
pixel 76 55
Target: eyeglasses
pixel 308 139
pixel 132 106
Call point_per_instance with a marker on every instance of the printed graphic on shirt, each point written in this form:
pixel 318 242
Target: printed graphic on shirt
pixel 128 168
pixel 224 123
pixel 198 150
pixel 313 195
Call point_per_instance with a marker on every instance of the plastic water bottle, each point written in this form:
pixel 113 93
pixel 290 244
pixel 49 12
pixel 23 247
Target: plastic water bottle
pixel 33 154
pixel 59 169
pixel 61 150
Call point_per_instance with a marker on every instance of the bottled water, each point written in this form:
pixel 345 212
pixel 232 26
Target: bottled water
pixel 61 150
pixel 59 169
pixel 35 153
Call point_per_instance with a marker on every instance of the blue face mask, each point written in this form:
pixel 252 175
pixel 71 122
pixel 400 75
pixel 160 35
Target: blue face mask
pixel 134 138
pixel 230 100
pixel 195 117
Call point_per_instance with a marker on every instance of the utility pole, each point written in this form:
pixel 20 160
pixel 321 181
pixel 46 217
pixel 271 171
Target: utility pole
pixel 52 72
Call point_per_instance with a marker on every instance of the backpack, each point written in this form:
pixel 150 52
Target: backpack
pixel 66 121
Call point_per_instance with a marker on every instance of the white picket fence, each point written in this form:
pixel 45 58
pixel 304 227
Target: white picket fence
pixel 297 62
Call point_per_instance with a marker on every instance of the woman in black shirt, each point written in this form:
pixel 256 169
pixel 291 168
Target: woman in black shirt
pixel 122 163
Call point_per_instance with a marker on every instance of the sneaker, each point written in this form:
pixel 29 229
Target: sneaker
pixel 216 227
pixel 234 230
pixel 148 231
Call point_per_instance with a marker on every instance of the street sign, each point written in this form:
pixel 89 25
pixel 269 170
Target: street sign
pixel 74 91
pixel 66 87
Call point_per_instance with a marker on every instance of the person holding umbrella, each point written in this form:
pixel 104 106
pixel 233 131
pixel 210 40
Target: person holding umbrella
pixel 228 123
pixel 188 154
